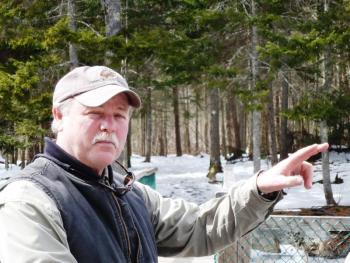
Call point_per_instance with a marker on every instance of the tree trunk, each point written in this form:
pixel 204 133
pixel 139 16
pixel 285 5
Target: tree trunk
pixel 112 16
pixel 6 157
pixel 206 114
pixel 233 127
pixel 256 139
pixel 73 56
pixel 148 125
pixel 113 23
pixel 30 154
pixel 161 134
pixel 327 76
pixel 187 137
pixel 165 130
pixel 249 135
pixel 215 163
pixel 277 119
pixel 143 133
pixel 23 158
pixel 177 121
pixel 236 127
pixel 327 187
pixel 156 120
pixel 223 130
pixel 265 151
pixel 14 156
pixel 187 116
pixel 197 130
pixel 242 120
pixel 256 114
pixel 272 128
pixel 284 122
pixel 230 132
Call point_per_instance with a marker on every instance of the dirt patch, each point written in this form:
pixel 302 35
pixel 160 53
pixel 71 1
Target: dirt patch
pixel 317 211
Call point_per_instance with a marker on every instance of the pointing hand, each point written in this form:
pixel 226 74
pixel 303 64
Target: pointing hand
pixel 290 172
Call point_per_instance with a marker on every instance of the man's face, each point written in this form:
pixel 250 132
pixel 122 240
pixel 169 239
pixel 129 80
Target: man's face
pixel 95 136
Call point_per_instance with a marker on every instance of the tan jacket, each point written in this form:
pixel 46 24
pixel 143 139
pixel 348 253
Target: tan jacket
pixel 31 228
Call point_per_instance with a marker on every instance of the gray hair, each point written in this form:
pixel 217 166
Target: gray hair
pixel 64 108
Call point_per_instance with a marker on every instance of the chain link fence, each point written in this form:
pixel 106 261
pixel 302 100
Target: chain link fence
pixel 292 239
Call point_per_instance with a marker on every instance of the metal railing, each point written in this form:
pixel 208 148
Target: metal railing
pixel 292 239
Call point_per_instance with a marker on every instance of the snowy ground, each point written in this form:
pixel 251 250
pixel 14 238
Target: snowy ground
pixel 185 177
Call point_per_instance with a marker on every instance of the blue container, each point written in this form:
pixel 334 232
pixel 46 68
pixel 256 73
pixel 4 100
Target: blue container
pixel 149 179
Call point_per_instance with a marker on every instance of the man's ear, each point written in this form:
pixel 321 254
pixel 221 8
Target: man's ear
pixel 57 119
pixel 57 114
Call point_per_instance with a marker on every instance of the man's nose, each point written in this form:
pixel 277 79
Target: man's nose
pixel 107 124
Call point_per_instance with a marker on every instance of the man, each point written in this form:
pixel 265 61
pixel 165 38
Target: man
pixel 69 206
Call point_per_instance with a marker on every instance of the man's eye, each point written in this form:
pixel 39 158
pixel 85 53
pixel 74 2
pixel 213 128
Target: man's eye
pixel 94 113
pixel 119 116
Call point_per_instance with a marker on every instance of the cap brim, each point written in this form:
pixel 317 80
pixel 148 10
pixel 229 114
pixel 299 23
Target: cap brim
pixel 99 96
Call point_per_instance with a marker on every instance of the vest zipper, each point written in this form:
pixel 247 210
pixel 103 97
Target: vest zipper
pixel 139 240
pixel 106 184
pixel 124 226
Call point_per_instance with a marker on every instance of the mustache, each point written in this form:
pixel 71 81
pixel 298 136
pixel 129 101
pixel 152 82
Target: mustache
pixel 106 137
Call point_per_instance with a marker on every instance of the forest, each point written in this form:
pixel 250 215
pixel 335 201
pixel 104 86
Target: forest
pixel 261 77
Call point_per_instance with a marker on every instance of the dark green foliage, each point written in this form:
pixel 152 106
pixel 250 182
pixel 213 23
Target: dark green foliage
pixel 197 43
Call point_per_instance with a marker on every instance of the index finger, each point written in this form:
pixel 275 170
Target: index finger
pixel 305 153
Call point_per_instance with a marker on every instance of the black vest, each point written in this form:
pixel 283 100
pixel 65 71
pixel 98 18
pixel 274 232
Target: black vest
pixel 100 225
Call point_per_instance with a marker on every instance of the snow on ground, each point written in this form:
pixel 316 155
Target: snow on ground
pixel 185 177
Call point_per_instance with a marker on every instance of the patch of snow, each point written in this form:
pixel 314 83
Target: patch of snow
pixel 185 177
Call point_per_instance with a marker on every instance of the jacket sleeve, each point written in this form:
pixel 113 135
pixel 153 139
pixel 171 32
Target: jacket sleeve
pixel 188 230
pixel 31 228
